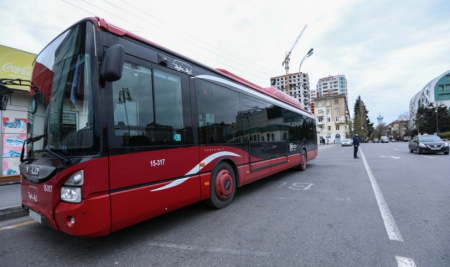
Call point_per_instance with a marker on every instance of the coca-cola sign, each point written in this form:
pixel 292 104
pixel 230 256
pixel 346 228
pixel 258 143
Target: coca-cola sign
pixel 15 64
pixel 8 67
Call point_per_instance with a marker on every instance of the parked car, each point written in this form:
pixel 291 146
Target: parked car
pixel 376 140
pixel 428 144
pixel 347 142
pixel 384 140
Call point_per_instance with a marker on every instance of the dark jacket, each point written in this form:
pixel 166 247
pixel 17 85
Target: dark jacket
pixel 355 140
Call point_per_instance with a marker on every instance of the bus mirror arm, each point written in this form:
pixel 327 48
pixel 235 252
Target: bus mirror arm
pixel 112 65
pixel 6 91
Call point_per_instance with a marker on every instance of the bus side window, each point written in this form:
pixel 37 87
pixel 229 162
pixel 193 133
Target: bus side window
pixel 218 109
pixel 133 106
pixel 254 117
pixel 172 109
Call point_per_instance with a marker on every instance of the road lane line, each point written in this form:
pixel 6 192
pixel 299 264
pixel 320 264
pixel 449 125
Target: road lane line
pixel 16 225
pixel 405 262
pixel 209 249
pixel 427 157
pixel 389 222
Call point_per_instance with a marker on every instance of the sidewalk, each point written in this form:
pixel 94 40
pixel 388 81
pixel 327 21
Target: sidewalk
pixel 10 201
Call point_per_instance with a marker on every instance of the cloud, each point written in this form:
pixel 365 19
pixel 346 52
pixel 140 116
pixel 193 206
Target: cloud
pixel 388 50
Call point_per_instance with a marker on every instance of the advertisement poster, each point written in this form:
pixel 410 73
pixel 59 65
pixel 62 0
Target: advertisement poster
pixel 12 145
pixel 10 167
pixel 14 125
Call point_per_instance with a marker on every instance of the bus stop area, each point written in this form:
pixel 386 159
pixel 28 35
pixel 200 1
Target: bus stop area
pixel 10 199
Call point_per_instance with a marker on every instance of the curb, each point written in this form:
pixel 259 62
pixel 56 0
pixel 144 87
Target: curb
pixel 12 213
pixel 10 183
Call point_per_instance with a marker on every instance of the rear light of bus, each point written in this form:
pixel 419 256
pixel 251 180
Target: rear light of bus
pixel 71 191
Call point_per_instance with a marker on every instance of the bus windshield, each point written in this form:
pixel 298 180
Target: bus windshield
pixel 65 114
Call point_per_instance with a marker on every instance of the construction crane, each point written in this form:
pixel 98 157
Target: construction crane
pixel 286 61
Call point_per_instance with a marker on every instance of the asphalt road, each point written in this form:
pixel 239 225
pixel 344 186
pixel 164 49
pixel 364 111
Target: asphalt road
pixel 387 208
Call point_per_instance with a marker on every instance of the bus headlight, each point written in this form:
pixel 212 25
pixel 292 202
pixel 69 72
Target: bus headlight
pixel 71 194
pixel 76 179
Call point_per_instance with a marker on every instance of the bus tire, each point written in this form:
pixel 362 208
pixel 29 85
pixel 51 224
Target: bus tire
pixel 223 186
pixel 304 162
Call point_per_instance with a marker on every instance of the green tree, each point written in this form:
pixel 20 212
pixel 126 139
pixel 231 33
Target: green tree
pixel 432 119
pixel 365 126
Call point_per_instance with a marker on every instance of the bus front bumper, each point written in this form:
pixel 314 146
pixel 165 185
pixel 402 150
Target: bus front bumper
pixel 90 218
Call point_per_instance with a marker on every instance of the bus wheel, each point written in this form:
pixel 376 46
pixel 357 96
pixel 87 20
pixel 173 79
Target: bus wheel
pixel 304 163
pixel 223 186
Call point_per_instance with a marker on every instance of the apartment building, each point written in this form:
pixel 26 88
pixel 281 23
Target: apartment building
pixel 295 85
pixel 396 130
pixel 332 118
pixel 332 85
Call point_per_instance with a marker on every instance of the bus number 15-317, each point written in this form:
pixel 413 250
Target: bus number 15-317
pixel 157 162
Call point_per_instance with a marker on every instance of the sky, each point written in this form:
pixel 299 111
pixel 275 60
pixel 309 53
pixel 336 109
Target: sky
pixel 387 50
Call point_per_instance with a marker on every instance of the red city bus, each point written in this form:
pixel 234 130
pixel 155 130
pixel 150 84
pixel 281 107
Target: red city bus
pixel 122 130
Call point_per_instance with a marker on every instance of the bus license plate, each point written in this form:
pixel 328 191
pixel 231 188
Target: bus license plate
pixel 35 216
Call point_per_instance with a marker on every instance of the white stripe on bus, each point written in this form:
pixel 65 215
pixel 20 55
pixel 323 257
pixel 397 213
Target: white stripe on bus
pixel 196 169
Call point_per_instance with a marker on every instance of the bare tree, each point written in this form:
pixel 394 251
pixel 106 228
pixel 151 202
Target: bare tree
pixel 379 131
pixel 405 122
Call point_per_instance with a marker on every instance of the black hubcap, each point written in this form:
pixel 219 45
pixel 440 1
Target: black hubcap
pixel 227 184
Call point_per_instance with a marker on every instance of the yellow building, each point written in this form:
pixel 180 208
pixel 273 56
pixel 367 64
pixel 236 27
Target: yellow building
pixel 332 118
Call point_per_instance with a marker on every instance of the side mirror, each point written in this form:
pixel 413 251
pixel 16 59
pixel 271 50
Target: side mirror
pixel 38 97
pixel 3 102
pixel 111 68
pixel 5 92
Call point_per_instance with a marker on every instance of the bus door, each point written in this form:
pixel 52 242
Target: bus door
pixel 264 142
pixel 153 162
pixel 277 134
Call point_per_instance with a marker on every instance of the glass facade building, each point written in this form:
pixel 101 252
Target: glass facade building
pixel 437 92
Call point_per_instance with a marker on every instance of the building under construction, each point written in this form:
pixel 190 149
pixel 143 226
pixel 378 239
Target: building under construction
pixel 295 85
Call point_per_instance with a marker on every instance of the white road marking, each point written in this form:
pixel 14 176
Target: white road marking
pixel 210 249
pixel 300 186
pixel 396 149
pixel 427 157
pixel 343 199
pixel 389 222
pixel 392 157
pixel 405 262
pixel 308 187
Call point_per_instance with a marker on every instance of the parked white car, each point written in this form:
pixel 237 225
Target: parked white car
pixel 347 142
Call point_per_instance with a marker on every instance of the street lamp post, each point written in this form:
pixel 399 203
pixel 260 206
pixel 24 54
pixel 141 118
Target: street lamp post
pixel 437 117
pixel 310 52
pixel 418 124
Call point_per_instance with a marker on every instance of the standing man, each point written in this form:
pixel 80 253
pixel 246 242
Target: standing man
pixel 355 146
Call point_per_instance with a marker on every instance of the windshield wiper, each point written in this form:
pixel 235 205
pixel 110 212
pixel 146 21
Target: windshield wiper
pixel 65 160
pixel 27 141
